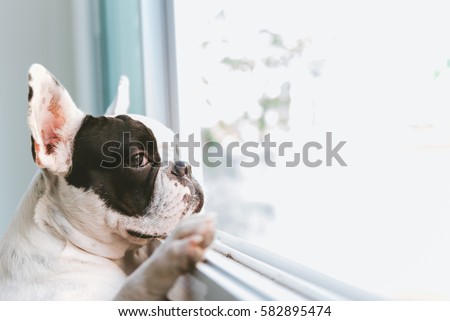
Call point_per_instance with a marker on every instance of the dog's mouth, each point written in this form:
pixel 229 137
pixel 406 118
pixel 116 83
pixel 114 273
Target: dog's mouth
pixel 144 236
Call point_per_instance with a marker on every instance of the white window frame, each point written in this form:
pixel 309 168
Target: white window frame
pixel 234 269
pixel 159 60
pixel 237 270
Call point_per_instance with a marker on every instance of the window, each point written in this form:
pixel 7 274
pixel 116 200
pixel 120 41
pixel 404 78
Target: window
pixel 374 77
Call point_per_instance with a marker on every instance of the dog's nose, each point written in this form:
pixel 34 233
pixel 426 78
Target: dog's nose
pixel 181 169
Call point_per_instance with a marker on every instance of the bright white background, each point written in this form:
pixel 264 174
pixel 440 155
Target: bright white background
pixel 382 223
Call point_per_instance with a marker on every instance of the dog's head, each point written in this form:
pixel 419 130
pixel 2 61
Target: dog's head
pixel 108 165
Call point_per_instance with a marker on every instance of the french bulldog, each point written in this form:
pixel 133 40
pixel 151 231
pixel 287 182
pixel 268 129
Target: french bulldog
pixel 86 227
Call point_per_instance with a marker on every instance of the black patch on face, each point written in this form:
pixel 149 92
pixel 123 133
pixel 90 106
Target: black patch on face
pixel 33 151
pixel 30 93
pixel 122 187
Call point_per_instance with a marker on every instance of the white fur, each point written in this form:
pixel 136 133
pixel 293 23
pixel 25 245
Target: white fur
pixel 37 262
pixel 65 244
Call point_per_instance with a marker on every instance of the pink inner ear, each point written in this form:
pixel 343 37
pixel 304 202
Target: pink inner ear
pixel 52 120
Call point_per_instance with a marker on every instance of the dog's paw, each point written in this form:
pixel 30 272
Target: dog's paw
pixel 187 244
pixel 176 256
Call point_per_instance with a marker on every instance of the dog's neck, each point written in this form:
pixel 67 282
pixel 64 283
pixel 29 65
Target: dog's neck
pixel 25 242
pixel 76 216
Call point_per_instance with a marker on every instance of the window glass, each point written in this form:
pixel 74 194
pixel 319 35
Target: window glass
pixel 362 91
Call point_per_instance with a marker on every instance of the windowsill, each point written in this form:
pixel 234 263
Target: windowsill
pixel 237 270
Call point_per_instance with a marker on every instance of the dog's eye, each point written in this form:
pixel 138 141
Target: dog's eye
pixel 138 160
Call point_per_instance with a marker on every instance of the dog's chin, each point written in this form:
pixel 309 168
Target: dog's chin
pixel 144 236
pixel 140 238
pixel 137 233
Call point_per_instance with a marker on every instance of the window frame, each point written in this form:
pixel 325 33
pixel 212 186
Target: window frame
pixel 159 62
pixel 235 269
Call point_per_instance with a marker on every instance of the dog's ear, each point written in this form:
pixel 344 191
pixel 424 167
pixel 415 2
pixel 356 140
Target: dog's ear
pixel 121 103
pixel 53 119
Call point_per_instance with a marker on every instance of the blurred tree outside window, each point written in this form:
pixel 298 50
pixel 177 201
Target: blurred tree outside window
pixel 368 73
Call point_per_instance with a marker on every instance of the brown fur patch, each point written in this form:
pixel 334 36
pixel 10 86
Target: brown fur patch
pixel 36 147
pixel 35 150
pixel 49 148
pixel 38 160
pixel 56 110
pixel 50 138
pixel 54 107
